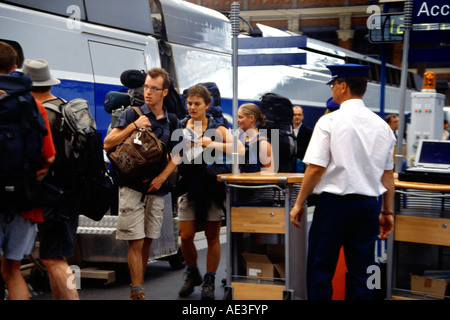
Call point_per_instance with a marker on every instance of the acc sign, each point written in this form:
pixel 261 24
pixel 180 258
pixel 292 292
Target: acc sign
pixel 437 11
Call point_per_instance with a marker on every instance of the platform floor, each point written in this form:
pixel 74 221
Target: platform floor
pixel 161 281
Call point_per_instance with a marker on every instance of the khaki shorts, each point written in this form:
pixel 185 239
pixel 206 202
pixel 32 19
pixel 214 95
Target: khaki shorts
pixel 139 219
pixel 186 210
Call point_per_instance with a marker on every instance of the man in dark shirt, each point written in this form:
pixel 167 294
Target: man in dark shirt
pixel 140 222
pixel 302 135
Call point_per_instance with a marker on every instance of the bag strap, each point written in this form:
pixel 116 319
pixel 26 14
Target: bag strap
pixel 172 118
pixel 138 111
pixel 172 122
pixel 245 165
pixel 54 104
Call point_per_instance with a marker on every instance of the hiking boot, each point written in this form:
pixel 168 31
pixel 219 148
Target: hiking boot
pixel 208 287
pixel 193 278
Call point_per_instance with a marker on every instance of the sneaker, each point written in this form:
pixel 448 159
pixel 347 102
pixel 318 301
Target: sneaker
pixel 136 295
pixel 208 287
pixel 193 278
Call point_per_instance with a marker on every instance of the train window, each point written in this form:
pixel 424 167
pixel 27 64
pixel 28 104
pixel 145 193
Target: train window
pixel 396 77
pixel 109 61
pixel 18 48
pixel 352 60
pixel 375 72
pixel 389 76
pixel 114 15
pixel 59 7
pixel 411 83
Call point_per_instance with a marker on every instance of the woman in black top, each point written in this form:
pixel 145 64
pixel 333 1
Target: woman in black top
pixel 201 197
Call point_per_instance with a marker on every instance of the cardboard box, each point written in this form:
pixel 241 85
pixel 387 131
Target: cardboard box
pixel 432 284
pixel 266 262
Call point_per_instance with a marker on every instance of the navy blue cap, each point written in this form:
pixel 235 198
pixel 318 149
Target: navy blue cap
pixel 331 105
pixel 347 70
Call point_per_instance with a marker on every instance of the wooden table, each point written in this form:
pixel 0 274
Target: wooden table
pixel 422 186
pixel 257 177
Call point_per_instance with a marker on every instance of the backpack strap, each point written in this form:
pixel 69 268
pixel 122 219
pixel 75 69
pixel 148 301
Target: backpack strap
pixel 259 138
pixel 138 111
pixel 173 119
pixel 54 104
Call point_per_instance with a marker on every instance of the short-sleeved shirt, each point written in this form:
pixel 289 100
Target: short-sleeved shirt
pixel 355 146
pixel 160 127
pixel 48 148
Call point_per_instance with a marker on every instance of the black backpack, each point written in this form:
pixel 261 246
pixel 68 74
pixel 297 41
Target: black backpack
pixel 215 109
pixel 79 167
pixel 173 103
pixel 279 113
pixel 22 130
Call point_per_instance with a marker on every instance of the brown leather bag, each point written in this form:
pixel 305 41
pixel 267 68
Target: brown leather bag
pixel 138 152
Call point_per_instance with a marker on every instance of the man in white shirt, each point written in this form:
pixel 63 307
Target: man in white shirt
pixel 350 164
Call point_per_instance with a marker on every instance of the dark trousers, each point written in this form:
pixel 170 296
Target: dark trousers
pixel 350 221
pixel 57 234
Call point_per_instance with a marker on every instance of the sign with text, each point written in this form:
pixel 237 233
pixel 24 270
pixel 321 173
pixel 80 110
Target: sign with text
pixel 392 27
pixel 436 11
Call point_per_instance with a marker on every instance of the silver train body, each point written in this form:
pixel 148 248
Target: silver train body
pixel 88 44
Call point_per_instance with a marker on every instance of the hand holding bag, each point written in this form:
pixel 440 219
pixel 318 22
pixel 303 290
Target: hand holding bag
pixel 138 152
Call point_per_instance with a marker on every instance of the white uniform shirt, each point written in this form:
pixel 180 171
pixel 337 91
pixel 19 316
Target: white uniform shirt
pixel 355 146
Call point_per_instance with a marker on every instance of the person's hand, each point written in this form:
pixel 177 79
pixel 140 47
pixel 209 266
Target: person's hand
pixel 143 122
pixel 156 184
pixel 297 215
pixel 204 141
pixel 40 174
pixel 386 225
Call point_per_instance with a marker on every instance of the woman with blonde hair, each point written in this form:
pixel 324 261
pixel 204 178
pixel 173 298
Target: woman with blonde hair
pixel 258 150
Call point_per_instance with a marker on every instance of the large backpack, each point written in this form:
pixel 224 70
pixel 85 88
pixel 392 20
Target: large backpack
pixel 279 113
pixel 215 109
pixel 80 166
pixel 173 103
pixel 22 130
pixel 73 123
